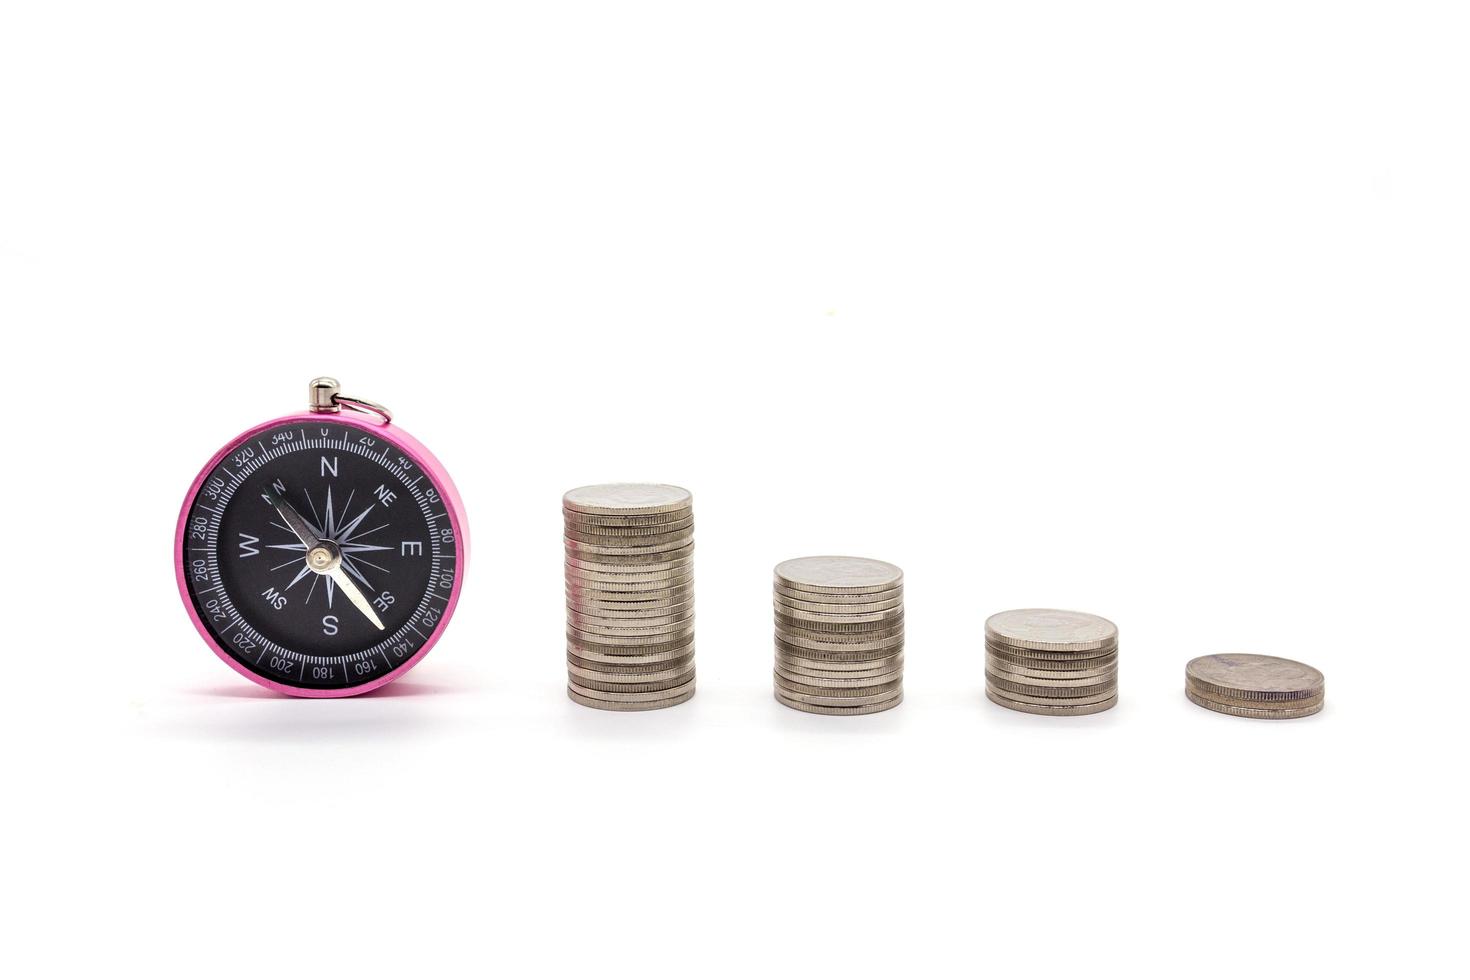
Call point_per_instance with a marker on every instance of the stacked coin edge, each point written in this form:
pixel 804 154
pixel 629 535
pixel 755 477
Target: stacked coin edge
pixel 1297 690
pixel 838 643
pixel 629 595
pixel 1051 671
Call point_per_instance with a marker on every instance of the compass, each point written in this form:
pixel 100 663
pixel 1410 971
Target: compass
pixel 322 554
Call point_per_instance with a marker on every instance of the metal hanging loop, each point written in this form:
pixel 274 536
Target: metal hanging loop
pixel 325 395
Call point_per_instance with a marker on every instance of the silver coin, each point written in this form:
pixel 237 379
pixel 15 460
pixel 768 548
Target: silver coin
pixel 1051 709
pixel 1052 683
pixel 627 498
pixel 629 685
pixel 602 705
pixel 1052 657
pixel 1263 713
pixel 607 670
pixel 627 520
pixel 817 709
pixel 1051 629
pixel 579 525
pixel 1253 676
pixel 1059 699
pixel 637 656
pixel 624 566
pixel 583 637
pixel 838 574
pixel 1259 705
pixel 833 700
pixel 820 629
pixel 1021 691
pixel 631 610
pixel 660 553
pixel 879 616
pixel 826 668
pixel 588 692
pixel 836 609
pixel 629 600
pixel 1043 676
pixel 845 694
pixel 839 683
pixel 836 599
pixel 610 583
pixel 839 649
pixel 613 627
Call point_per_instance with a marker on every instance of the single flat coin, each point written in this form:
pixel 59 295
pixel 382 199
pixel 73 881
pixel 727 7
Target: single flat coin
pixel 819 629
pixel 638 657
pixel 608 671
pixel 577 524
pixel 823 690
pixel 673 551
pixel 1050 709
pixel 817 709
pixel 604 582
pixel 815 669
pixel 1061 698
pixel 1092 665
pixel 1251 675
pixel 629 696
pixel 683 565
pixel 1051 629
pixel 889 643
pixel 833 700
pixel 630 613
pixel 629 600
pixel 627 520
pixel 684 634
pixel 838 599
pixel 840 683
pixel 879 616
pixel 627 498
pixel 836 609
pixel 1264 713
pixel 1035 675
pixel 820 668
pixel 1249 702
pixel 838 574
pixel 629 687
pixel 1078 693
pixel 663 540
pixel 1058 684
pixel 602 705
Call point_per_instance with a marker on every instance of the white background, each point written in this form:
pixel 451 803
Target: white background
pixel 1154 310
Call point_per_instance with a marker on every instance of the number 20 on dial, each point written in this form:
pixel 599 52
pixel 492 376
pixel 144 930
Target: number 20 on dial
pixel 322 554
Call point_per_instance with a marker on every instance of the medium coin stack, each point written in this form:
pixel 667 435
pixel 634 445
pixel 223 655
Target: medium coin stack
pixel 839 635
pixel 630 595
pixel 1249 685
pixel 1051 662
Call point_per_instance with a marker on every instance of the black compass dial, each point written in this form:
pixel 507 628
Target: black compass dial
pixel 319 555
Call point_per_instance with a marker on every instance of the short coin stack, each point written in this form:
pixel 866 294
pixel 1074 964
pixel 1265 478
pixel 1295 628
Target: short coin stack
pixel 1051 662
pixel 1249 685
pixel 630 595
pixel 839 635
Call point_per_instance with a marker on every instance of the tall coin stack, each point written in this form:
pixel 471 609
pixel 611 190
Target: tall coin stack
pixel 630 595
pixel 839 635
pixel 1051 662
pixel 1249 685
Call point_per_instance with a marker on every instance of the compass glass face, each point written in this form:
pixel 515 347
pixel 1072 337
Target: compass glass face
pixel 319 555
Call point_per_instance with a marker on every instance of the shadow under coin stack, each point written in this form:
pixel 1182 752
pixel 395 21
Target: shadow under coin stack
pixel 630 595
pixel 1051 662
pixel 1249 685
pixel 839 635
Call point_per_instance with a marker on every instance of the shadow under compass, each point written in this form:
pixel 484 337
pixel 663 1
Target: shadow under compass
pixel 231 713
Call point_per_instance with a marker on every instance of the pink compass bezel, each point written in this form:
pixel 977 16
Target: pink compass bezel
pixel 421 458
